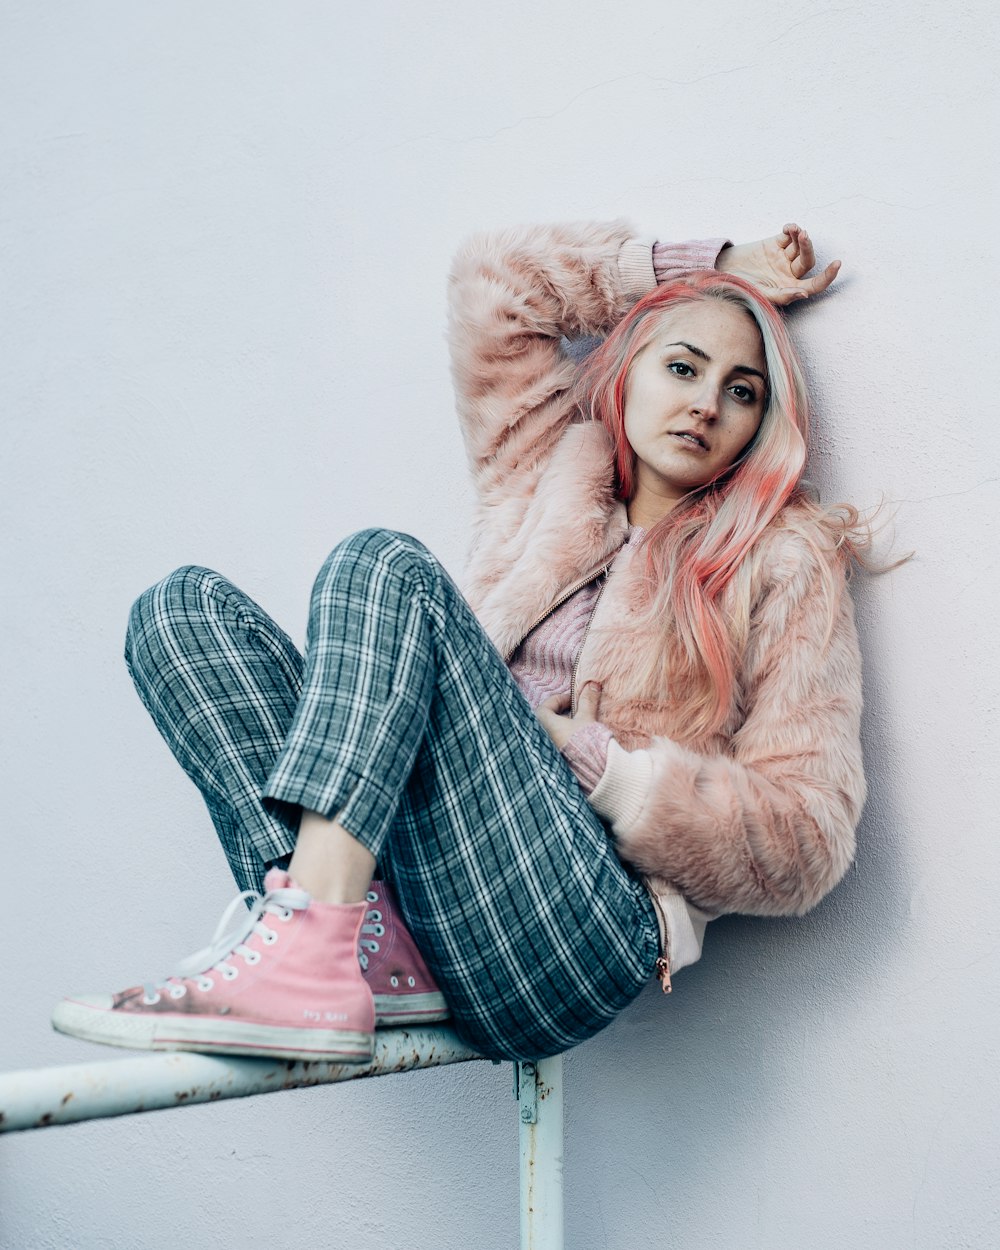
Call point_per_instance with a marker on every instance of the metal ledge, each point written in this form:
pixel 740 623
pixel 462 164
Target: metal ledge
pixel 43 1097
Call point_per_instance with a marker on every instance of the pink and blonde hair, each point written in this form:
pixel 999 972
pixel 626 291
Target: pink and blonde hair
pixel 699 571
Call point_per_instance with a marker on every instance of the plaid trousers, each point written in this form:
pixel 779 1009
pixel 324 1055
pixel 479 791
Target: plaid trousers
pixel 404 723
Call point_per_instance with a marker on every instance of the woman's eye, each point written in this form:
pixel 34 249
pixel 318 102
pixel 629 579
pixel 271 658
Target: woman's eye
pixel 743 393
pixel 681 368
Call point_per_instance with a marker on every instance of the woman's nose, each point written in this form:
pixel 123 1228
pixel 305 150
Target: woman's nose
pixel 706 403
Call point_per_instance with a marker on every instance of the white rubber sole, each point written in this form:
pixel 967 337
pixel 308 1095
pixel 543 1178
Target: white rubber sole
pixel 393 1009
pixel 211 1035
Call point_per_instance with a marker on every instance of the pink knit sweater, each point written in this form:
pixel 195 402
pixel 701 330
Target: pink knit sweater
pixel 543 666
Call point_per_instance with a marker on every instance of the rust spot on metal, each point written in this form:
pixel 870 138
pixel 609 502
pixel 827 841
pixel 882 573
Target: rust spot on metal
pixel 65 1099
pixel 3 1118
pixel 46 1119
pixel 216 1093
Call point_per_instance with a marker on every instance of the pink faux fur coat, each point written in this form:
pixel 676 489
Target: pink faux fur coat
pixel 760 818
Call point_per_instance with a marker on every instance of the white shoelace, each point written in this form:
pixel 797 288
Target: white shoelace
pixel 229 940
pixel 373 925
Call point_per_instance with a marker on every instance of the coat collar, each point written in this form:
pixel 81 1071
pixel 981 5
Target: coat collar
pixel 542 530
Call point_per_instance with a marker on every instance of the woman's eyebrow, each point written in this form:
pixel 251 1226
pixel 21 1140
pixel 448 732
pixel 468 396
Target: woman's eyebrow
pixel 696 351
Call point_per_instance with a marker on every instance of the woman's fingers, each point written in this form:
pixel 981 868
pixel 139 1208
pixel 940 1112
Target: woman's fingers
pixel 806 257
pixel 805 287
pixel 588 705
pixel 551 717
pixel 797 250
pixel 820 281
pixel 788 241
pixel 554 713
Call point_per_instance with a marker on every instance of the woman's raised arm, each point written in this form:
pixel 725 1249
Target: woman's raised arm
pixel 513 296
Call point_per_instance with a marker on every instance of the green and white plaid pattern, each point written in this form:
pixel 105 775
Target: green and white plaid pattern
pixel 404 723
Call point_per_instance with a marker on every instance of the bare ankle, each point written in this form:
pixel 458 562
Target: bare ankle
pixel 329 862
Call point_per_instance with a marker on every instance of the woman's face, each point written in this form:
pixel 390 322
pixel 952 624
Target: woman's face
pixel 693 400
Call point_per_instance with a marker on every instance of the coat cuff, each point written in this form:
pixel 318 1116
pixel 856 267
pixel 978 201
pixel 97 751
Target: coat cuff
pixel 622 791
pixel 635 267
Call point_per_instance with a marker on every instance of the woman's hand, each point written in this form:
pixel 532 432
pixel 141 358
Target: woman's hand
pixel 555 718
pixel 778 266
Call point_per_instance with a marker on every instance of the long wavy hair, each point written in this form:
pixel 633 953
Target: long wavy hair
pixel 699 585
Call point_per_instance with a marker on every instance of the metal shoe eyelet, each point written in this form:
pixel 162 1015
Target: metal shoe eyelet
pixel 285 913
pixel 371 897
pixel 410 981
pixel 252 957
pixel 394 982
pixel 150 1002
pixel 373 917
pixel 269 938
pixel 229 973
pixel 177 991
pixel 205 984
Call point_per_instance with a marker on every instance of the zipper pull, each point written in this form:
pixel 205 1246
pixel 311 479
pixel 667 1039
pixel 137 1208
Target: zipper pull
pixel 663 972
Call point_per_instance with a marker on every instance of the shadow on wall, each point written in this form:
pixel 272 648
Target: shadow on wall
pixel 708 1071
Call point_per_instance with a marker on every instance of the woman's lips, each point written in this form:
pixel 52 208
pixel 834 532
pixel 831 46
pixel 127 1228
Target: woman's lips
pixel 690 440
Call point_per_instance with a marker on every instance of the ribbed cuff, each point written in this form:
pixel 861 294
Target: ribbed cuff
pixel 586 753
pixel 635 267
pixel 673 260
pixel 621 793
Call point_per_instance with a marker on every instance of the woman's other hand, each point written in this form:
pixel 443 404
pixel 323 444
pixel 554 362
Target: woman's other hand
pixel 555 716
pixel 778 266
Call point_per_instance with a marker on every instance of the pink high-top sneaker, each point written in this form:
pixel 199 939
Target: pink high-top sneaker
pixel 285 983
pixel 404 990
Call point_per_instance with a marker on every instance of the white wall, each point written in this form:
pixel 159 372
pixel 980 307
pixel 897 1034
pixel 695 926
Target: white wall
pixel 225 233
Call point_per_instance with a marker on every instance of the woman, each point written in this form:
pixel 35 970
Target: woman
pixel 651 719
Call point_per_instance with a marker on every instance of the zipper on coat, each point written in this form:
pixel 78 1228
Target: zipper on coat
pixel 583 643
pixel 662 964
pixel 566 594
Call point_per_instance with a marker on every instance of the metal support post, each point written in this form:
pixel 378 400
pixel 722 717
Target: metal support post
pixel 538 1088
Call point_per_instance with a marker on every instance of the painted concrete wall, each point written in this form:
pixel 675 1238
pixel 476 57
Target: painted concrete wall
pixel 225 232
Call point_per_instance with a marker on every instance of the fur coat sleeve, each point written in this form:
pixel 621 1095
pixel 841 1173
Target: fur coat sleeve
pixel 514 295
pixel 767 826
